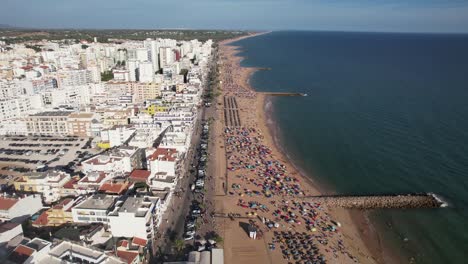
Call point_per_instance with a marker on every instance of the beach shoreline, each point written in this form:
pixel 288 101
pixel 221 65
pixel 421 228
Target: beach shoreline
pixel 358 235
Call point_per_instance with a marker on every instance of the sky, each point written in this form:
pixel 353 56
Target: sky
pixel 341 15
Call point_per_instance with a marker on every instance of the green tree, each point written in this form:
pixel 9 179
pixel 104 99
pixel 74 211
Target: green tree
pixel 107 76
pixel 218 239
pixel 141 185
pixel 179 245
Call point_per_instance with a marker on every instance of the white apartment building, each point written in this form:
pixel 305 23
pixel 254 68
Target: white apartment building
pixel 142 54
pixel 120 160
pixel 19 106
pixel 67 253
pixel 48 123
pixel 8 231
pixel 73 77
pixel 13 127
pixel 146 72
pixel 92 182
pixel 153 48
pixel 162 160
pixel 106 163
pixel 48 183
pixel 132 67
pixel 166 56
pixel 121 75
pixel 12 208
pixel 142 212
pixel 94 209
pixel 117 135
pixel 162 181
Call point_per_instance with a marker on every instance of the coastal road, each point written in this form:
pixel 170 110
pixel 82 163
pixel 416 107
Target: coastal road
pixel 172 226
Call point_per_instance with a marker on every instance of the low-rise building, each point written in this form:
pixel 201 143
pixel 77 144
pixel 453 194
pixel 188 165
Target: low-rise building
pixel 48 183
pixel 91 182
pixel 162 160
pixel 117 135
pixel 9 231
pixel 94 209
pixel 57 215
pixel 162 181
pixel 29 253
pixel 139 176
pixel 19 208
pixel 68 252
pixel 142 212
pixel 121 160
pixel 133 250
pixel 113 187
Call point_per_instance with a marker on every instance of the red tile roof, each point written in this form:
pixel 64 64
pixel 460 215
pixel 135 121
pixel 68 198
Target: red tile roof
pixel 165 154
pixel 63 203
pixel 140 175
pixel 20 254
pixel 127 255
pixel 42 220
pixel 114 188
pixel 24 250
pixel 7 203
pixel 70 183
pixel 139 241
pixel 123 243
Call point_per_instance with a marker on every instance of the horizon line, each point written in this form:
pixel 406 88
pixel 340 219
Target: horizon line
pixel 19 28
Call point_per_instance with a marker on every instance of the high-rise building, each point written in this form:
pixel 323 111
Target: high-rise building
pixel 153 48
pixel 167 56
pixel 146 72
pixel 132 68
pixel 142 54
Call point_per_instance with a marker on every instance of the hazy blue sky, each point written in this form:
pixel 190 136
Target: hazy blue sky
pixel 357 15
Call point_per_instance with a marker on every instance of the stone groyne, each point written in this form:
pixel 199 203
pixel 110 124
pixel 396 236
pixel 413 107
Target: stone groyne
pixel 366 202
pixel 283 94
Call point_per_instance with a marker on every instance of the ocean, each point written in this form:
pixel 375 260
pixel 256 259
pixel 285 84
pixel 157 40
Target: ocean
pixel 385 113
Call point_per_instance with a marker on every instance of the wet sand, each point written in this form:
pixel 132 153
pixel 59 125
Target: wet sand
pixel 355 241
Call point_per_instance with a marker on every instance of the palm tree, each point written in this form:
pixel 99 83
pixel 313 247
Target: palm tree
pixel 218 239
pixel 179 245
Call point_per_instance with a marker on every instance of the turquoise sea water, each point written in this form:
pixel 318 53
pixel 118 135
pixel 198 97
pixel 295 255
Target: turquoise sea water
pixel 386 113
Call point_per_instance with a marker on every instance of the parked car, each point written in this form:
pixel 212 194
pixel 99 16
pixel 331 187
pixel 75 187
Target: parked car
pixel 188 237
pixel 190 233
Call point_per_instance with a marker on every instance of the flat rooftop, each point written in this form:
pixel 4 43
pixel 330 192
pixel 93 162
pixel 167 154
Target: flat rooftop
pixel 52 113
pixel 168 179
pixel 38 244
pixel 136 205
pixel 98 202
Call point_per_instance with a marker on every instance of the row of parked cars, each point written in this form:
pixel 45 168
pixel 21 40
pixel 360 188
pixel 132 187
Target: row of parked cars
pixel 199 184
pixel 202 155
pixel 191 220
pixel 42 138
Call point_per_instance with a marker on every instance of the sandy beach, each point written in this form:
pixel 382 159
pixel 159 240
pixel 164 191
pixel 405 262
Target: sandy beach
pixel 255 183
